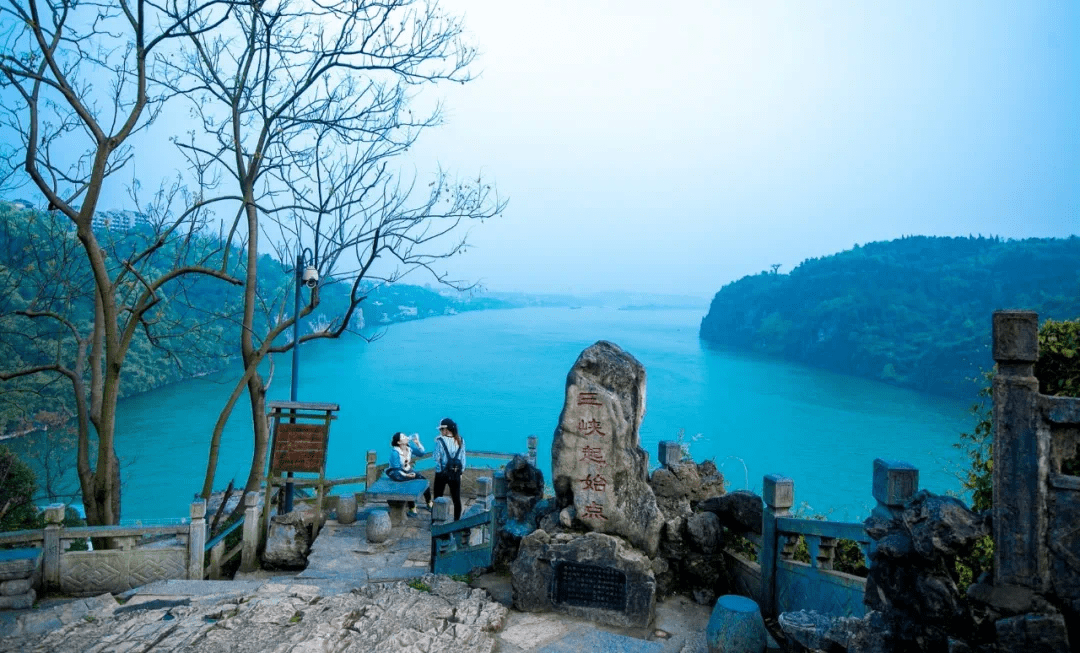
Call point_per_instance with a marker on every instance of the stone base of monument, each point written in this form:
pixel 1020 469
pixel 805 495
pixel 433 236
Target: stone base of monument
pixel 593 576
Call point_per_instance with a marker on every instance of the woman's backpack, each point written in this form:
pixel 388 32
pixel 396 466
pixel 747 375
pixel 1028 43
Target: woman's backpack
pixel 453 466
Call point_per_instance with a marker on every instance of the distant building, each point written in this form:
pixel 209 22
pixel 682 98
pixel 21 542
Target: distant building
pixel 119 220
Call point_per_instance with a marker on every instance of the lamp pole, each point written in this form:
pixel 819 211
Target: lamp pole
pixel 300 259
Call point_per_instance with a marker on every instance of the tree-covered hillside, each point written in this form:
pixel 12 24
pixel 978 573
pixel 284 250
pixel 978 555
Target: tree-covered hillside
pixel 192 331
pixel 913 312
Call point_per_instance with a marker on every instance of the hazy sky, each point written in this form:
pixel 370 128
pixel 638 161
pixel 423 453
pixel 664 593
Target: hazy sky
pixel 676 148
pixel 657 149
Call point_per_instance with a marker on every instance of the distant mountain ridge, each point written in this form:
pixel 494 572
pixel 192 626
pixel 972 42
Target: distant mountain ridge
pixel 913 312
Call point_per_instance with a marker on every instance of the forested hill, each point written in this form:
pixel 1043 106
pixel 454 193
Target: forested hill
pixel 913 312
pixel 203 335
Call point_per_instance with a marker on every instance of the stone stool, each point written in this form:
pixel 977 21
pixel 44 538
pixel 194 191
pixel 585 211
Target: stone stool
pixel 346 509
pixel 736 626
pixel 378 526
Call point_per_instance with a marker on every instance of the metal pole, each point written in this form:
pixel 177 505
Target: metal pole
pixel 288 501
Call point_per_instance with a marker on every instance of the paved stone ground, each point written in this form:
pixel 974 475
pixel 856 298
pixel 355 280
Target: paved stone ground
pixel 351 597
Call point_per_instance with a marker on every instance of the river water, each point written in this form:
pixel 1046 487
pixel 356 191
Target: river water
pixel 501 373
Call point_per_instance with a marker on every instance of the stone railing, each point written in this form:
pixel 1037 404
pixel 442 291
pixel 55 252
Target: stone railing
pixel 458 547
pixel 86 573
pixel 247 548
pixel 779 583
pixel 375 470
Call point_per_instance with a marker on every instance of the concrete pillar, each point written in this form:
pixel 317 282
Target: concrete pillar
pixel 1021 455
pixel 249 560
pixel 197 540
pixel 50 564
pixel 531 442
pixel 669 453
pixel 442 511
pixel 779 495
pixel 484 495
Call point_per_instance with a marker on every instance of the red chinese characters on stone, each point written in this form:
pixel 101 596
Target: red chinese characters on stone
pixel 597 483
pixel 588 399
pixel 593 510
pixel 593 455
pixel 590 427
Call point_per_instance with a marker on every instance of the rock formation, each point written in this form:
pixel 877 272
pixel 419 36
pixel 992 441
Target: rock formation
pixel 599 470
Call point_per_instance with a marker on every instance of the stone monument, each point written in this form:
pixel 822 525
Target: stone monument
pixel 599 470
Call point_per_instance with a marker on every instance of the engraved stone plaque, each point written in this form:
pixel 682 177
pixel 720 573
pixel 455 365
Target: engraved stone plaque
pixel 590 586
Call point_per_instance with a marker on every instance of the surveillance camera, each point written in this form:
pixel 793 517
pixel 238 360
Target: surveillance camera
pixel 311 277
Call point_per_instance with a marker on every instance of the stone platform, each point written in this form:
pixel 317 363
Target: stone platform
pixel 352 596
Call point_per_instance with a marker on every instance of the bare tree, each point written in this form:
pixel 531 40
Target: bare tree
pixel 304 105
pixel 77 84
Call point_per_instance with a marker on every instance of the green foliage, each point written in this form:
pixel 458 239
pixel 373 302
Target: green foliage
pixel 195 327
pixel 913 312
pixel 978 478
pixel 17 489
pixel 419 585
pixel 1058 367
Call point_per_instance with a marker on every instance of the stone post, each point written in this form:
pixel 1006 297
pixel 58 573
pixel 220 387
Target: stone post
pixel 249 560
pixel 54 524
pixel 779 495
pixel 531 442
pixel 1021 455
pixel 197 540
pixel 484 494
pixel 669 453
pixel 441 511
pixel 895 482
pixel 371 473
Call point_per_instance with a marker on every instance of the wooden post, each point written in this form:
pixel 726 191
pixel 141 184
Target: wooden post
pixel 371 473
pixel 1021 443
pixel 197 540
pixel 250 551
pixel 779 496
pixel 54 524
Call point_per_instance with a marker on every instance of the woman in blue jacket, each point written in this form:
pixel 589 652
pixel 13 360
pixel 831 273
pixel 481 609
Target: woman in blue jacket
pixel 402 450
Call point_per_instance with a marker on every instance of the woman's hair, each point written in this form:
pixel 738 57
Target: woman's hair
pixel 451 426
pixel 394 438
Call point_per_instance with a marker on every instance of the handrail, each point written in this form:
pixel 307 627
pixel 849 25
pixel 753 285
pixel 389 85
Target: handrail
pixel 839 530
pixel 20 537
pixel 461 524
pixel 223 534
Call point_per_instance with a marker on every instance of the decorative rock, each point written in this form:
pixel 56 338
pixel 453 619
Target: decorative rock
pixel 739 511
pixel 346 509
pixel 592 576
pixel 735 626
pixel 23 601
pixel 377 527
pixel 13 587
pixel 942 525
pixel 598 465
pixel 1033 632
pixel 704 531
pixel 288 541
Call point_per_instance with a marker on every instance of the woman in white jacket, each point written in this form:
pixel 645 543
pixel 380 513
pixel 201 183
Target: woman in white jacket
pixel 449 463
